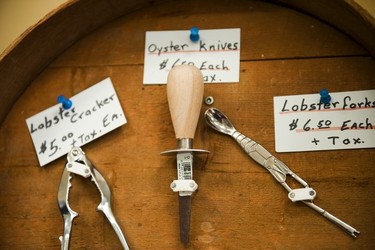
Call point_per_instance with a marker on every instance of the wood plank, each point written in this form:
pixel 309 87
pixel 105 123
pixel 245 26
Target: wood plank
pixel 41 44
pixel 238 205
pixel 75 19
pixel 122 41
pixel 358 23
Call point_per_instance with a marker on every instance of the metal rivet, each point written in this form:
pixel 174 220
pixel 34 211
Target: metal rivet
pixel 70 165
pixel 209 100
pixel 192 185
pixel 173 185
pixel 292 195
pixel 312 193
pixel 87 171
pixel 75 152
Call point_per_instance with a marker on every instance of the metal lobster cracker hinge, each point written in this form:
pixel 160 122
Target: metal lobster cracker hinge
pixel 78 168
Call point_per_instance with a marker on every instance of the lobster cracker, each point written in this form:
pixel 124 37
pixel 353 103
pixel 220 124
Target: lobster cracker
pixel 77 163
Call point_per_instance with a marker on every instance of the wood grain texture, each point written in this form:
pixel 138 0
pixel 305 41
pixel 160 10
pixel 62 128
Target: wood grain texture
pixel 238 205
pixel 76 19
pixel 358 23
pixel 185 89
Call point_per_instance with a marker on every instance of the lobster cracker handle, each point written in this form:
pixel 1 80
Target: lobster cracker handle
pixel 185 89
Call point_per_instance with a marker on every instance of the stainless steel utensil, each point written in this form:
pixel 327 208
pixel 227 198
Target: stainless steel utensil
pixel 220 122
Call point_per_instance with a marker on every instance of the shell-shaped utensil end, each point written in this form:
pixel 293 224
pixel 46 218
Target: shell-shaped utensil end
pixel 219 121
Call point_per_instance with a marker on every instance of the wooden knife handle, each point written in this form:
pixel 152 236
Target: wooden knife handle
pixel 185 95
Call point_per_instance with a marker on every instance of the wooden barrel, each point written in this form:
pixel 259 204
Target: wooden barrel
pixel 287 47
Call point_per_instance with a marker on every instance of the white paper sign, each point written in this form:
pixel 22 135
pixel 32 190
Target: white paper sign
pixel 302 123
pixel 95 112
pixel 216 54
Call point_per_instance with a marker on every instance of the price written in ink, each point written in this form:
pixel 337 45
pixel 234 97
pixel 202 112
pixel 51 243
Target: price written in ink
pixel 53 145
pixel 216 54
pixel 95 112
pixel 303 123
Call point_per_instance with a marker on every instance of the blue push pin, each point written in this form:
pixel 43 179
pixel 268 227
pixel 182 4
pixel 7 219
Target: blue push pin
pixel 324 96
pixel 194 34
pixel 66 103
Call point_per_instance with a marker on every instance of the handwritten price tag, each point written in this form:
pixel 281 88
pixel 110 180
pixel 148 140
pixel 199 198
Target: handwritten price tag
pixel 95 112
pixel 302 123
pixel 216 54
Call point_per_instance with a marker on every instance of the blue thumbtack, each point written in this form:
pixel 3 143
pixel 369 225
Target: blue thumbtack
pixel 66 103
pixel 324 96
pixel 194 34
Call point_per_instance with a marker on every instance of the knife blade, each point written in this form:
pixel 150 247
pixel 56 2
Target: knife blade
pixel 184 207
pixel 185 172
